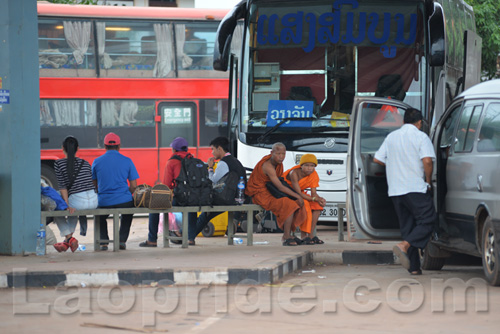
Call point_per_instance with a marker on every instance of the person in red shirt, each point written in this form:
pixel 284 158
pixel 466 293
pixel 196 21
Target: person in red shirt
pixel 172 169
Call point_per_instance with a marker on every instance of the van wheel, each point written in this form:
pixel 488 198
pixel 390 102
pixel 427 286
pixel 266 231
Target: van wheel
pixel 209 230
pixel 490 253
pixel 49 176
pixel 428 262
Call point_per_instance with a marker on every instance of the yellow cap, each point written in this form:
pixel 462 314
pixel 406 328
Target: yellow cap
pixel 308 158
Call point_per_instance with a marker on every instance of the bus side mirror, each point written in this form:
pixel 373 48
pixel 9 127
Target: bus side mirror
pixel 222 47
pixel 437 39
pixel 221 58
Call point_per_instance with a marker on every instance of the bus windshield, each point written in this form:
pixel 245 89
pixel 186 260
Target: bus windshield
pixel 308 60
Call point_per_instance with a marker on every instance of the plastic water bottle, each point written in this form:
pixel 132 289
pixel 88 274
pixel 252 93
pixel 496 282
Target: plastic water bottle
pixel 240 196
pixel 237 241
pixel 40 241
pixel 82 248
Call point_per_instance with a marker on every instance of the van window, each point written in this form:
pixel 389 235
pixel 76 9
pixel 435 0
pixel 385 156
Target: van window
pixel 449 127
pixel 467 128
pixel 489 136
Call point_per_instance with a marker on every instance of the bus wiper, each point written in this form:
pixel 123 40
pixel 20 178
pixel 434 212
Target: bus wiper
pixel 281 122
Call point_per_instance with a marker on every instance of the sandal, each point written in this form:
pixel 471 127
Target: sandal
pixel 298 241
pixel 175 234
pixel 73 244
pixel 403 256
pixel 191 243
pixel 61 246
pixel 317 241
pixel 290 242
pixel 148 243
pixel 308 241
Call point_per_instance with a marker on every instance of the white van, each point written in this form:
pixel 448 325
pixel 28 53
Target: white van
pixel 466 176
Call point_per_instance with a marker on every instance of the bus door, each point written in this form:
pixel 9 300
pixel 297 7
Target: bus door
pixel 368 204
pixel 176 119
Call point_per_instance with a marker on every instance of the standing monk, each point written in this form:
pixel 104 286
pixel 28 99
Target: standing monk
pixel 302 177
pixel 289 213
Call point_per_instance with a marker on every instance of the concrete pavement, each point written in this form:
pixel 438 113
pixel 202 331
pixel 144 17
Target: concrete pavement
pixel 211 261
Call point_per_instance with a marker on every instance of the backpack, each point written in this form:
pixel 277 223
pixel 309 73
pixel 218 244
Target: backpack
pixel 193 186
pixel 224 190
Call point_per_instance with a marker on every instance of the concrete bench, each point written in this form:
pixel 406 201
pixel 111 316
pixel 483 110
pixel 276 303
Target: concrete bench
pixel 115 213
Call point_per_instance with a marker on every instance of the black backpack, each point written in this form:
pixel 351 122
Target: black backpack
pixel 224 190
pixel 192 186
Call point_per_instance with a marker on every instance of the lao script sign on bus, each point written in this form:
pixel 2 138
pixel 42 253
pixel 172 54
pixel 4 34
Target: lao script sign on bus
pixel 280 109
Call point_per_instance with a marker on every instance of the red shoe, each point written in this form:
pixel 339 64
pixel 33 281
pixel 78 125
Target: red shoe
pixel 61 246
pixel 73 244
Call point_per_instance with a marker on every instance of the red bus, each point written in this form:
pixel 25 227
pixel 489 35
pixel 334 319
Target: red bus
pixel 143 73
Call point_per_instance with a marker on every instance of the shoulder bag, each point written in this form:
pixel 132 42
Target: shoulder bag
pixel 160 197
pixel 142 195
pixel 278 193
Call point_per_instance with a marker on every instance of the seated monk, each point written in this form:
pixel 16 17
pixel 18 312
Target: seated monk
pixel 300 178
pixel 287 211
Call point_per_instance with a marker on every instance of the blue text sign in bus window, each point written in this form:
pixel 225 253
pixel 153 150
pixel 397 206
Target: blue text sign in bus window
pixel 280 109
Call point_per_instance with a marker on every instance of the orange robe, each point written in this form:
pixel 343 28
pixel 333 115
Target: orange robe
pixel 283 207
pixel 310 181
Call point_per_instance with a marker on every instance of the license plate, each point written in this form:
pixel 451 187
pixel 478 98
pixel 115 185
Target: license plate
pixel 331 210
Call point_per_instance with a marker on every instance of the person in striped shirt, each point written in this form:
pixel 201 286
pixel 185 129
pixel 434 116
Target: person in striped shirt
pixel 74 177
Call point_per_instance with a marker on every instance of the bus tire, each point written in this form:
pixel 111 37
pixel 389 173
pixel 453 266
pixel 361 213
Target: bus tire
pixel 490 253
pixel 209 230
pixel 428 262
pixel 49 176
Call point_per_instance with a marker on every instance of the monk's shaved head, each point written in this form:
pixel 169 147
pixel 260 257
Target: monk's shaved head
pixel 278 145
pixel 278 153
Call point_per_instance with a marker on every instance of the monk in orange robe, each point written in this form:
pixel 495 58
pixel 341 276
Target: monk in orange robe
pixel 288 212
pixel 301 177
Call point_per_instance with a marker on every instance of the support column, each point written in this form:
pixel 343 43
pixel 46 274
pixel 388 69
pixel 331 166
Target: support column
pixel 19 127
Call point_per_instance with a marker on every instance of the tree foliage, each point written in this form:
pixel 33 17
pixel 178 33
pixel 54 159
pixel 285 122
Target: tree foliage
pixel 487 13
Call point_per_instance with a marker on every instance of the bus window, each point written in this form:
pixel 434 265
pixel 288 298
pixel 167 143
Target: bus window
pixel 132 120
pixel 65 48
pixel 128 49
pixel 178 119
pixel 195 46
pixel 60 118
pixel 331 66
pixel 213 120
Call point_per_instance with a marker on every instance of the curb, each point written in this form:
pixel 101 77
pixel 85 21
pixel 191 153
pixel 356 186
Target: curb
pixel 266 272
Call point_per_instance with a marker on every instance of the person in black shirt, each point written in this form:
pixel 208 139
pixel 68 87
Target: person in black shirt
pixel 227 163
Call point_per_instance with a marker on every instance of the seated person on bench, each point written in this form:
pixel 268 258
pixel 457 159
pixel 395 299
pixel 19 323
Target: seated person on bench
pixel 289 213
pixel 227 163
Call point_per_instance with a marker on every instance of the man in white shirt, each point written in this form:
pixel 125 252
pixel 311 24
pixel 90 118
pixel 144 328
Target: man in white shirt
pixel 407 154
